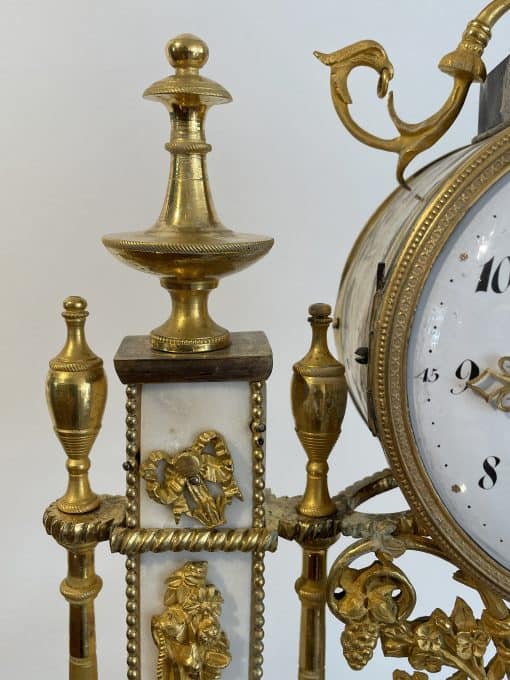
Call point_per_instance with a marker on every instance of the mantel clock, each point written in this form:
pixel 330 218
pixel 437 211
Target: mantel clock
pixel 421 325
pixel 424 339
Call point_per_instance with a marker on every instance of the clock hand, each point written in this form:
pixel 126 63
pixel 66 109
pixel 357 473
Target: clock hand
pixel 494 386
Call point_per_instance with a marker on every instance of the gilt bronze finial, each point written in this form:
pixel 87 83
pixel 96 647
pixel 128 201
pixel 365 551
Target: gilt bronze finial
pixel 319 397
pixel 76 395
pixel 188 247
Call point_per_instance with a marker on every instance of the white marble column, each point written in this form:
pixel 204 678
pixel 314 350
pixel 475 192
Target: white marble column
pixel 172 415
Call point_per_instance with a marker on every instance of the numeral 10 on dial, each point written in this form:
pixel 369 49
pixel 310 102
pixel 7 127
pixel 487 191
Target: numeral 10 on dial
pixel 495 278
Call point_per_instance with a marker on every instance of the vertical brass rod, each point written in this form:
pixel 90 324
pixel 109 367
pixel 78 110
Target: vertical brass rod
pixel 310 588
pixel 80 588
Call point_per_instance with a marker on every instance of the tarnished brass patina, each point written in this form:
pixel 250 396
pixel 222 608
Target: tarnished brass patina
pixel 191 643
pixel 319 397
pixel 188 247
pixel 183 482
pixel 464 65
pixel 494 386
pixel 76 395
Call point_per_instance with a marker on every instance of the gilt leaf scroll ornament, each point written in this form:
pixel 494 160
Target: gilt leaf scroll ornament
pixel 191 644
pixel 197 482
pixel 375 602
pixel 464 65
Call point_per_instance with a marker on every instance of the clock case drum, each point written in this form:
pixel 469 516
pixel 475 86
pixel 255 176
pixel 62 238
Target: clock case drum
pixel 382 285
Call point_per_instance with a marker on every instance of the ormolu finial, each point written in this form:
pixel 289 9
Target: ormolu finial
pixel 187 51
pixel 188 247
pixel 319 396
pixel 76 395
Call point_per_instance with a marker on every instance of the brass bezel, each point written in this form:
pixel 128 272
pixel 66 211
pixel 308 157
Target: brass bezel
pixel 388 355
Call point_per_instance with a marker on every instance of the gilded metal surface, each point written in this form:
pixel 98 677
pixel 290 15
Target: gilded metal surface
pixel 132 579
pixel 191 644
pixel 188 247
pixel 375 603
pixel 76 396
pixel 379 527
pixel 392 323
pixel 92 527
pixel 464 65
pixel 258 428
pixel 80 588
pixel 183 480
pixel 311 590
pixel 133 394
pixel 136 541
pixel 79 534
pixel 316 535
pixel 283 517
pixel 368 487
pixel 494 386
pixel 319 397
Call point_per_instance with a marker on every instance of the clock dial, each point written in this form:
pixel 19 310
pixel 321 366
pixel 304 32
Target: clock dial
pixel 423 307
pixel 462 327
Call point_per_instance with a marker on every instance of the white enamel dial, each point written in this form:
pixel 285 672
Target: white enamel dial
pixel 461 327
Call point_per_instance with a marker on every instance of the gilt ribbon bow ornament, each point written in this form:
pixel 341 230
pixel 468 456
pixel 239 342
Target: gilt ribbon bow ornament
pixel 182 480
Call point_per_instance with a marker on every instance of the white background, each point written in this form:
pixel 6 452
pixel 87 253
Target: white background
pixel 82 155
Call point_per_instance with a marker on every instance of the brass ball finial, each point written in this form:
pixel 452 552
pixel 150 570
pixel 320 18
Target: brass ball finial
pixel 74 303
pixel 319 310
pixel 187 51
pixel 75 306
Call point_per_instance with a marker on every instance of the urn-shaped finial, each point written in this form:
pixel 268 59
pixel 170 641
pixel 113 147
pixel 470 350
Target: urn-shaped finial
pixel 188 247
pixel 319 397
pixel 76 395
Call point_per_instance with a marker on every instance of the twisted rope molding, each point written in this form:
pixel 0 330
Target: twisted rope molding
pixel 239 248
pixel 136 541
pixel 93 527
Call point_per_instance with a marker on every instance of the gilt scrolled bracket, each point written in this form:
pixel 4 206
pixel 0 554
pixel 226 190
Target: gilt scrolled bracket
pixel 464 65
pixel 375 603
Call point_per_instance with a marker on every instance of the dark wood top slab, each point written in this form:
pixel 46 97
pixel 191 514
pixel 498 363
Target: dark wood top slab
pixel 249 357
